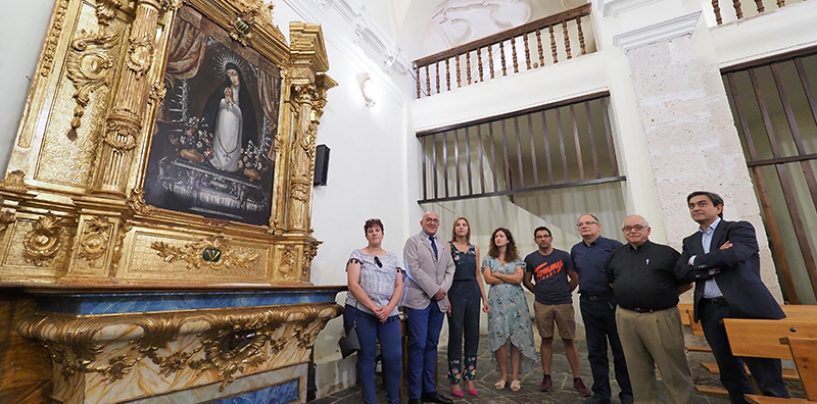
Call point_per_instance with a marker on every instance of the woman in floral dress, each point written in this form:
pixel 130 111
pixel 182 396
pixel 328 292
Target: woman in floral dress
pixel 509 322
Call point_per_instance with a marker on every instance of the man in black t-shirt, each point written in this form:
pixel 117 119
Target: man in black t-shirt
pixel 555 279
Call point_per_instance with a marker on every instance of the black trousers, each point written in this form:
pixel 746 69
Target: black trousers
pixel 463 322
pixel 599 316
pixel 767 373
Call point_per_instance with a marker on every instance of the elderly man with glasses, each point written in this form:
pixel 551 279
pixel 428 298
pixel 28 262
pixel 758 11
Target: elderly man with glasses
pixel 647 287
pixel 598 308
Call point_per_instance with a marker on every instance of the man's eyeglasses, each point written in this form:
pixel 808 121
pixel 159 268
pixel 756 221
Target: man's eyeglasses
pixel 377 261
pixel 580 224
pixel 636 227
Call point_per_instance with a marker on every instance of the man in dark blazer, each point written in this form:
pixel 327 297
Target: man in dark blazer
pixel 723 258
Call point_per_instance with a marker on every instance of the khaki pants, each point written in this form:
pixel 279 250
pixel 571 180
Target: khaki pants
pixel 650 340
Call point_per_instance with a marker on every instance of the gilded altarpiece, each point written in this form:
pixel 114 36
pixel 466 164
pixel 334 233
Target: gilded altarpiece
pixel 156 207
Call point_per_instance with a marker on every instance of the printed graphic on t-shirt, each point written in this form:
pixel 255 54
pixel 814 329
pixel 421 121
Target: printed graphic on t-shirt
pixel 547 270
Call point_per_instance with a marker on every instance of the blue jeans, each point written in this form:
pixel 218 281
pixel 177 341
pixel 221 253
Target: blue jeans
pixel 369 331
pixel 424 327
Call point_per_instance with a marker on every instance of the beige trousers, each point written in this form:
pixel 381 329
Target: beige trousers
pixel 650 340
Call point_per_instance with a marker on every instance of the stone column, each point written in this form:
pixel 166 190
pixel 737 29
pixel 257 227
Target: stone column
pixel 691 139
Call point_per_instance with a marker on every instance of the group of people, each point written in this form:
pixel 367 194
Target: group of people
pixel 628 299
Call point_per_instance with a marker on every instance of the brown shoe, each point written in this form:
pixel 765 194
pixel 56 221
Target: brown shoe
pixel 578 384
pixel 547 384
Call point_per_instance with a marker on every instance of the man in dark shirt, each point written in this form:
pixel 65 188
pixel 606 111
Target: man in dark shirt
pixel 646 286
pixel 555 281
pixel 598 307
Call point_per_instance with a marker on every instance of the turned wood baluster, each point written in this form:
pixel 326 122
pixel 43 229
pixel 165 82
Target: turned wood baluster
pixel 447 76
pixel 539 47
pixel 417 79
pixel 567 39
pixel 716 6
pixel 738 9
pixel 459 74
pixel 759 5
pixel 437 76
pixel 428 82
pixel 502 57
pixel 479 64
pixel 553 44
pixel 527 52
pixel 491 60
pixel 468 66
pixel 581 35
pixel 513 56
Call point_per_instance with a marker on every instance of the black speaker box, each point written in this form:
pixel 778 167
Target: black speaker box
pixel 321 164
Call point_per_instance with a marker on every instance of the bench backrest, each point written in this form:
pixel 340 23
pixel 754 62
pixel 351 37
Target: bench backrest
pixel 761 338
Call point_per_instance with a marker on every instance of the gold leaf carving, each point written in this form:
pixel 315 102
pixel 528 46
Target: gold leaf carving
pixel 140 55
pixel 229 340
pixel 89 66
pixel 95 239
pixel 287 262
pixel 250 12
pixel 121 137
pixel 42 243
pixel 14 182
pixel 7 217
pixel 170 5
pixel 214 252
pixel 136 202
pixel 310 250
pixel 53 39
pixel 157 93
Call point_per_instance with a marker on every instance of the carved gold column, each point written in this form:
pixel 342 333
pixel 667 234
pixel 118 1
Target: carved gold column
pixel 119 137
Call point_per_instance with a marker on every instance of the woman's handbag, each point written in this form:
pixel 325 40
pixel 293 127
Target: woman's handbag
pixel 349 343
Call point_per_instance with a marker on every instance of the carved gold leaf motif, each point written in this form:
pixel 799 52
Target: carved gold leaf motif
pixel 7 217
pixel 42 243
pixel 140 55
pixel 229 341
pixel 250 12
pixel 89 66
pixel 136 201
pixel 14 182
pixel 214 252
pixel 95 238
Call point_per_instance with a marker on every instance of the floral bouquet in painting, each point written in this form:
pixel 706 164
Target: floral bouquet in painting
pixel 196 141
pixel 254 161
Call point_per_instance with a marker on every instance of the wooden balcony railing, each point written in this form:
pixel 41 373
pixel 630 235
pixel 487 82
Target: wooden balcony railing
pixel 736 11
pixel 499 54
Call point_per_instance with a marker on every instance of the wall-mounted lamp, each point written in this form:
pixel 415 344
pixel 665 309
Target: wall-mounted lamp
pixel 368 90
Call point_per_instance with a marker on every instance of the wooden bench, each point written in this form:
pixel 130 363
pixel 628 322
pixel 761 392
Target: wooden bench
pixel 762 339
pixel 804 353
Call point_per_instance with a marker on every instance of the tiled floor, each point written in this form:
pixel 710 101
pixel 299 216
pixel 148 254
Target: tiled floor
pixel 562 381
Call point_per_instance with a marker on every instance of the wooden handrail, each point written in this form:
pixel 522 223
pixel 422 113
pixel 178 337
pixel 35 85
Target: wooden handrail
pixel 532 26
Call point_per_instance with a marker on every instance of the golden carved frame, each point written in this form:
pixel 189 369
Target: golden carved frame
pixel 73 207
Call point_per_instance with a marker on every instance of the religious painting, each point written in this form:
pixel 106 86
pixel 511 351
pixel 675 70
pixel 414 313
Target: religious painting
pixel 212 147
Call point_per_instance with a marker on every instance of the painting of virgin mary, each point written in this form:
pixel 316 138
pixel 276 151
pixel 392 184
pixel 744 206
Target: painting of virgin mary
pixel 211 152
pixel 230 113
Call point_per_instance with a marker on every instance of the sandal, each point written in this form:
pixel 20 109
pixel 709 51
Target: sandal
pixel 516 385
pixel 500 385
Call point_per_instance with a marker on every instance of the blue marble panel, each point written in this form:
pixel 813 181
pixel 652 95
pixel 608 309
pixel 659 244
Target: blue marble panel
pixel 286 392
pixel 156 301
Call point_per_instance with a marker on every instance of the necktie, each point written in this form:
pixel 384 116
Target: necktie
pixel 433 246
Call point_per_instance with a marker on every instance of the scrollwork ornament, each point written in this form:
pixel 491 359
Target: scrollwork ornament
pixel 287 262
pixel 250 11
pixel 214 253
pixel 170 5
pixel 136 202
pixel 90 66
pixel 157 93
pixel 42 243
pixel 300 189
pixel 95 237
pixel 7 217
pixel 14 182
pixel 140 55
pixel 310 251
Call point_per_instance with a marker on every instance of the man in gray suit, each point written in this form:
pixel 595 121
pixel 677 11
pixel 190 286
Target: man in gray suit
pixel 430 270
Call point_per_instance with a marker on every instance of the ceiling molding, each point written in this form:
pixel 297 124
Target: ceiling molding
pixel 663 31
pixel 616 7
